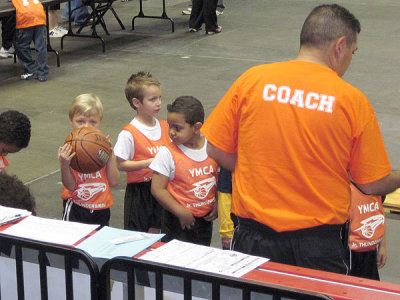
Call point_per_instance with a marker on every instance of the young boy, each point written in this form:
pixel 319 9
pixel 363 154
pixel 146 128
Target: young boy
pixel 86 110
pixel 367 235
pixel 31 26
pixel 15 134
pixel 185 178
pixel 137 144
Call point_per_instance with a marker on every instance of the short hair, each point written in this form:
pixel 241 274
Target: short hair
pixel 328 22
pixel 190 107
pixel 15 129
pixel 13 193
pixel 86 104
pixel 136 85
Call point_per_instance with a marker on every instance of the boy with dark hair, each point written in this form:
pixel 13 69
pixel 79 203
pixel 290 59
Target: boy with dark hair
pixel 185 178
pixel 137 144
pixel 15 134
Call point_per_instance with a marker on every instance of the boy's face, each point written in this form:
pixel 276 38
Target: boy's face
pixel 80 120
pixel 180 131
pixel 151 103
pixel 5 149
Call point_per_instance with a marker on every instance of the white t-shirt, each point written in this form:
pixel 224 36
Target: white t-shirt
pixel 164 164
pixel 125 146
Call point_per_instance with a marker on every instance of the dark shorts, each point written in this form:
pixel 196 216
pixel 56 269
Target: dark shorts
pixel 319 248
pixel 76 213
pixel 200 234
pixel 141 210
pixel 364 264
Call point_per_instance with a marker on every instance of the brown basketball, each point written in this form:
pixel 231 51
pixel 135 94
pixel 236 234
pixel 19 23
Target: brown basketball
pixel 91 147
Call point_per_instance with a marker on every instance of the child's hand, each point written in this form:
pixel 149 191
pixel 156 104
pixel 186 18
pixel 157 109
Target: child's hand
pixel 213 214
pixel 186 219
pixel 65 154
pixel 226 243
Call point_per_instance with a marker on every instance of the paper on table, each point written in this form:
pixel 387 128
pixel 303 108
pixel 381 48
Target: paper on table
pixel 10 214
pixel 50 231
pixel 204 258
pixel 102 244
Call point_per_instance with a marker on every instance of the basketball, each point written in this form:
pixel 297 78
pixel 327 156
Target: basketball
pixel 91 147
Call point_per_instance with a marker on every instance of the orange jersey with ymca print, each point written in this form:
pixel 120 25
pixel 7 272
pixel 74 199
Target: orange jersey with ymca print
pixel 3 163
pixel 145 149
pixel 194 183
pixel 298 129
pixel 92 190
pixel 29 13
pixel 367 225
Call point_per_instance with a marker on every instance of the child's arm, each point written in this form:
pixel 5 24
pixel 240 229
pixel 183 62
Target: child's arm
pixel 382 253
pixel 111 168
pixel 130 165
pixel 159 184
pixel 67 176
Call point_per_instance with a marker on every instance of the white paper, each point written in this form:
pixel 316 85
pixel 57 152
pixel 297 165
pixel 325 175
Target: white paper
pixel 203 258
pixel 50 231
pixel 10 214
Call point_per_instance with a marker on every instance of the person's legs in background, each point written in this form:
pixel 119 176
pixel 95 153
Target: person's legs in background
pixel 7 36
pixel 79 12
pixel 220 7
pixel 55 30
pixel 22 47
pixel 39 39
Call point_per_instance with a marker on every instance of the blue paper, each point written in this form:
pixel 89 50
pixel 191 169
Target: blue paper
pixel 99 245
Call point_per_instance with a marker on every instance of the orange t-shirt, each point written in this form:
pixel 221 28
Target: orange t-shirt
pixel 367 225
pixel 92 190
pixel 29 13
pixel 3 163
pixel 145 149
pixel 194 183
pixel 297 129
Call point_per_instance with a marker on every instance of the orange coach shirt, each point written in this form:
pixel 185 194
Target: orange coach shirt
pixel 29 13
pixel 145 149
pixel 92 190
pixel 367 225
pixel 298 129
pixel 3 163
pixel 195 182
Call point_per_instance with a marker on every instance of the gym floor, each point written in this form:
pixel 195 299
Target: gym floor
pixel 254 32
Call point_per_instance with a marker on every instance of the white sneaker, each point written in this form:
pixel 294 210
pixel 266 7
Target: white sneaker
pixel 27 76
pixel 219 11
pixel 54 33
pixel 187 11
pixel 61 29
pixel 7 53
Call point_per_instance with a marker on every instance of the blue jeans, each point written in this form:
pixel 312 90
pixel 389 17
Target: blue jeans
pixel 24 37
pixel 78 15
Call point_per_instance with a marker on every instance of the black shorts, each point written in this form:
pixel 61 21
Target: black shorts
pixel 141 210
pixel 76 213
pixel 364 264
pixel 200 234
pixel 319 248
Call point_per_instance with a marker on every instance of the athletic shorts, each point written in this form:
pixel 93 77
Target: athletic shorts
pixel 200 233
pixel 141 210
pixel 364 264
pixel 75 213
pixel 319 248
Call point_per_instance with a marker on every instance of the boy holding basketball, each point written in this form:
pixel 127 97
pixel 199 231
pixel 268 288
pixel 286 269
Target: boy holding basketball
pixel 185 177
pixel 137 144
pixel 87 197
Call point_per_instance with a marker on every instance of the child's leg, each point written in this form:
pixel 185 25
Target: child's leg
pixel 39 38
pixel 22 44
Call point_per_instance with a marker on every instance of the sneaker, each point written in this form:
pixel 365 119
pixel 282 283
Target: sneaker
pixel 194 29
pixel 219 11
pixel 42 78
pixel 217 30
pixel 187 11
pixel 61 29
pixel 54 33
pixel 27 76
pixel 7 53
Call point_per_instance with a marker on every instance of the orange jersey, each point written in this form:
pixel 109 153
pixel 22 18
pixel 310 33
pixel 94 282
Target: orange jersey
pixel 195 182
pixel 145 149
pixel 367 225
pixel 3 163
pixel 92 191
pixel 29 13
pixel 298 129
